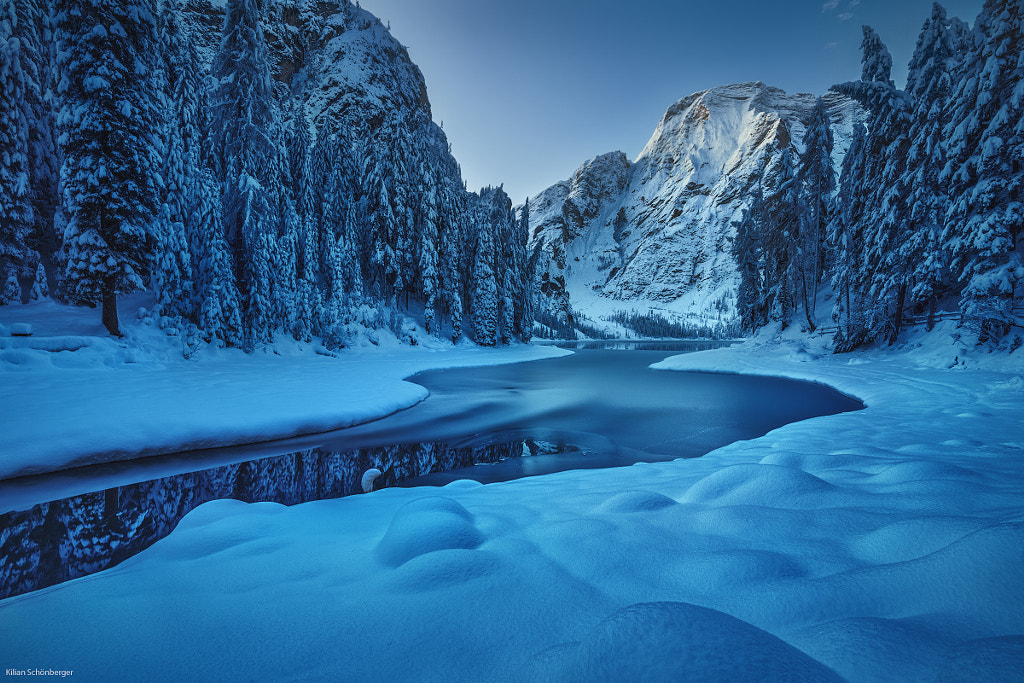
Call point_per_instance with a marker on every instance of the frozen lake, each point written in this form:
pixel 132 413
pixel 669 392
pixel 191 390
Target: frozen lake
pixel 602 407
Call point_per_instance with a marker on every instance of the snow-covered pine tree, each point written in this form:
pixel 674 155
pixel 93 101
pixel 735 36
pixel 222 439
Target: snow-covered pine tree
pixel 109 126
pixel 320 199
pixel 204 290
pixel 846 244
pixel 876 62
pixel 216 297
pixel 428 248
pixel 817 184
pixel 309 299
pixel 497 218
pixel 454 235
pixel 524 275
pixel 484 283
pixel 881 278
pixel 334 222
pixel 985 145
pixel 34 31
pixel 172 268
pixel 747 250
pixel 929 84
pixel 381 269
pixel 15 205
pixel 782 236
pixel 250 159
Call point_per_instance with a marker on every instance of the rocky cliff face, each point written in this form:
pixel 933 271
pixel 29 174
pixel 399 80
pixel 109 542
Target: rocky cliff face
pixel 339 59
pixel 653 235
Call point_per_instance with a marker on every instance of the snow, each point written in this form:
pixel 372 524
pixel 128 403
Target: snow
pixel 680 198
pixel 882 544
pixel 71 395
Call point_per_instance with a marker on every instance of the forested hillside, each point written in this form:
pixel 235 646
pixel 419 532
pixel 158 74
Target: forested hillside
pixel 926 214
pixel 260 166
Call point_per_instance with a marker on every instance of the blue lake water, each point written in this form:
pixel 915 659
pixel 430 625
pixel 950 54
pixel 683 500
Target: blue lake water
pixel 601 407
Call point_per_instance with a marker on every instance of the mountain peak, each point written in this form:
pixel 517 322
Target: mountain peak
pixel 654 235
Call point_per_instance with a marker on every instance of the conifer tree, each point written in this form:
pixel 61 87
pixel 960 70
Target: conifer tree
pixel 172 268
pixel 782 237
pixel 455 228
pixel 985 144
pixel 929 84
pixel 334 223
pixel 15 206
pixel 749 254
pixel 524 274
pixel 32 25
pixel 845 240
pixel 485 289
pixel 109 123
pixel 882 278
pixel 249 158
pixel 381 266
pixel 817 183
pixel 216 296
pixel 876 61
pixel 428 256
pixel 309 302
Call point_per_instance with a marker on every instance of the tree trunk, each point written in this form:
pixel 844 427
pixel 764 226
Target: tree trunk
pixel 110 308
pixel 849 313
pixel 897 316
pixel 808 297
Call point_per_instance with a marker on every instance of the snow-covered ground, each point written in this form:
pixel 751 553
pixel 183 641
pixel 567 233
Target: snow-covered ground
pixel 884 544
pixel 72 395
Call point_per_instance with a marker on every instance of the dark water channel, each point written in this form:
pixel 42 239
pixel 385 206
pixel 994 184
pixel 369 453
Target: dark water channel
pixel 602 407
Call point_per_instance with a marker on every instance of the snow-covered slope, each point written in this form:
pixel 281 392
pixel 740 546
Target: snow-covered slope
pixel 654 234
pixel 365 72
pixel 345 61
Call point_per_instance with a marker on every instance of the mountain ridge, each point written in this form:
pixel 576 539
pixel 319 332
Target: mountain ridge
pixel 652 235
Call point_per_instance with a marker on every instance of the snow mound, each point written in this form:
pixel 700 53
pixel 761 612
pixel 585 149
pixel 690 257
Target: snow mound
pixel 760 485
pixel 463 485
pixel 218 526
pixel 678 642
pixel 427 525
pixel 636 501
pixel 442 569
pixel 909 539
pixel 988 659
pixel 920 470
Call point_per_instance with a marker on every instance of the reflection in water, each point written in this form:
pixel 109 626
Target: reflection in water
pixel 677 346
pixel 65 539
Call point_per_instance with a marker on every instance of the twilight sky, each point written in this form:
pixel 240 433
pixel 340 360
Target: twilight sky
pixel 529 90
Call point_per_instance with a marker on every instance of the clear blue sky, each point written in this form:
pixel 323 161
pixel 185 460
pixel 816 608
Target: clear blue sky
pixel 529 90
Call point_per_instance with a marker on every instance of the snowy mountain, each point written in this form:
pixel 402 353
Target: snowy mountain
pixel 654 234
